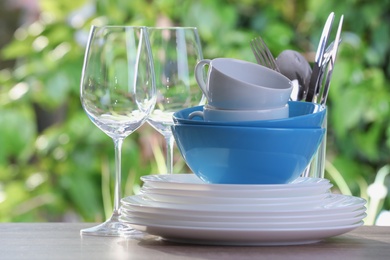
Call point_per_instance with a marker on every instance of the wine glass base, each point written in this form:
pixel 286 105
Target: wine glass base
pixel 111 228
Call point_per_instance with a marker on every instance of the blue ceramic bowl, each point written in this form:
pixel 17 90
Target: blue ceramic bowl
pixel 246 155
pixel 301 115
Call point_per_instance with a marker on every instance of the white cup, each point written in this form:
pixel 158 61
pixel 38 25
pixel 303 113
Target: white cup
pixel 211 114
pixel 238 84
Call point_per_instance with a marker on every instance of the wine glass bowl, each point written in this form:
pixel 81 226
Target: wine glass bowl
pixel 117 93
pixel 176 51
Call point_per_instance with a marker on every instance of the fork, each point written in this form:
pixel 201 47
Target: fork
pixel 262 54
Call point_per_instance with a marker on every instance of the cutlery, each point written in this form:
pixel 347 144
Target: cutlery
pixel 324 65
pixel 262 54
pixel 294 66
pixel 314 80
pixel 331 64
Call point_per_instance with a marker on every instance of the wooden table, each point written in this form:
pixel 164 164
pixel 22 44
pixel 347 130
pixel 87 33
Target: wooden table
pixel 63 241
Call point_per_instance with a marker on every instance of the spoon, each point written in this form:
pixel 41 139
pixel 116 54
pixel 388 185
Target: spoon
pixel 295 67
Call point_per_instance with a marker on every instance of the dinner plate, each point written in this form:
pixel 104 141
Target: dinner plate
pixel 192 182
pixel 332 203
pixel 184 199
pixel 244 237
pixel 249 193
pixel 243 218
pixel 314 223
pixel 243 205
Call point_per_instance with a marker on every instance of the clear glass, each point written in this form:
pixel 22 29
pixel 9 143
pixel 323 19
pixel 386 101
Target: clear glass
pixel 118 93
pixel 176 51
pixel 316 168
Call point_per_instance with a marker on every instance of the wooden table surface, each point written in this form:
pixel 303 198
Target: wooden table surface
pixel 63 241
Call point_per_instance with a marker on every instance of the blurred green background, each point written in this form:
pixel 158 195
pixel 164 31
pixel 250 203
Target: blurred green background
pixel 54 161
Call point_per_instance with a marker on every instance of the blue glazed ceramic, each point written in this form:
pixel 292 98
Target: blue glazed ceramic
pixel 301 115
pixel 246 155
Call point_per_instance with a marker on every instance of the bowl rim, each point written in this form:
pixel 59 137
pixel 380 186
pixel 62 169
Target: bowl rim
pixel 175 116
pixel 251 128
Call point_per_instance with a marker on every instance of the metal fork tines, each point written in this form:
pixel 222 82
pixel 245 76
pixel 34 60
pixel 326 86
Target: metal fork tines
pixel 262 54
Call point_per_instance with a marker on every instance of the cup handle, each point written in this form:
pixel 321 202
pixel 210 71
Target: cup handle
pixel 199 76
pixel 195 113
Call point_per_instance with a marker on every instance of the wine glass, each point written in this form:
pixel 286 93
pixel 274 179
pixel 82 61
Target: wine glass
pixel 176 51
pixel 118 93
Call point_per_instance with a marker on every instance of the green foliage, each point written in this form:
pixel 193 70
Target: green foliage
pixel 53 160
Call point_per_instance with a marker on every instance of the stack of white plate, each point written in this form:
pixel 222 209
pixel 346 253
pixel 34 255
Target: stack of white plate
pixel 182 208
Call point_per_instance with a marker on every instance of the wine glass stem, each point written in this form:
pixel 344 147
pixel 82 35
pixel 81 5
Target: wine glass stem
pixel 169 140
pixel 118 175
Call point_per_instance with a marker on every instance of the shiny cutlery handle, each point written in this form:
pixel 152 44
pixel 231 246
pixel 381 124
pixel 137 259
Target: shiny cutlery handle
pixel 314 80
pixel 332 61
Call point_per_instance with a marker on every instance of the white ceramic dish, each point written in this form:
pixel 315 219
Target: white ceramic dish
pixel 243 225
pixel 238 205
pixel 242 194
pixel 192 182
pixel 211 114
pixel 333 204
pixel 245 237
pixel 184 199
pixel 211 218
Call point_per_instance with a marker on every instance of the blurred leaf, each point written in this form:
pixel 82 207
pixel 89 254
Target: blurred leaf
pixel 57 87
pixel 60 9
pixel 17 134
pixel 216 20
pixel 367 143
pixel 83 193
pixel 16 49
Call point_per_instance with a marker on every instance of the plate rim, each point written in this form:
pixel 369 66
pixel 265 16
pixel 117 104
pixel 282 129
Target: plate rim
pixel 246 225
pixel 256 237
pixel 357 202
pixel 156 179
pixel 155 196
pixel 242 193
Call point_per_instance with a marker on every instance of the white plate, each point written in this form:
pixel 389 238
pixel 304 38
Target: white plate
pixel 242 206
pixel 245 237
pixel 243 218
pixel 184 199
pixel 333 203
pixel 192 182
pixel 249 193
pixel 243 225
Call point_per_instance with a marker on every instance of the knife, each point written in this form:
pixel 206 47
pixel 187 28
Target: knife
pixel 314 79
pixel 331 63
